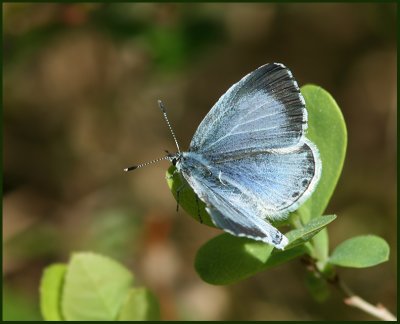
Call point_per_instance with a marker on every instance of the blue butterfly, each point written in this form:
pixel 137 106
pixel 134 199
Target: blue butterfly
pixel 249 160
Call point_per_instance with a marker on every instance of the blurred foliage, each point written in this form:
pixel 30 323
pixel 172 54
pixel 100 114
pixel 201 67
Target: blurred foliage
pixel 18 306
pixel 173 35
pixel 80 84
pixel 94 287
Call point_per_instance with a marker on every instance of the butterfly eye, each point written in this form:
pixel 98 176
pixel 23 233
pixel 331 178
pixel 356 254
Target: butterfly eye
pixel 174 161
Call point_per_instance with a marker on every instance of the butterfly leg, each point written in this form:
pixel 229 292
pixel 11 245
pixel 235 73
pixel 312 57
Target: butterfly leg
pixel 198 210
pixel 178 191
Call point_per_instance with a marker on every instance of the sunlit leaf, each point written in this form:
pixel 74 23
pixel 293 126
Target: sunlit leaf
pixel 95 288
pixel 304 234
pixel 327 129
pixel 140 305
pixel 50 292
pixel 361 252
pixel 226 259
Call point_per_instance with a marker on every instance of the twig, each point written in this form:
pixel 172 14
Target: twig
pixel 351 299
pixel 378 311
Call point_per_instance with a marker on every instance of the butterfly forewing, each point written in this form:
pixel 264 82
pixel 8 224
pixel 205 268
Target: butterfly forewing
pixel 264 110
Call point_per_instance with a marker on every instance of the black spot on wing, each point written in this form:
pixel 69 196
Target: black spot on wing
pixel 277 239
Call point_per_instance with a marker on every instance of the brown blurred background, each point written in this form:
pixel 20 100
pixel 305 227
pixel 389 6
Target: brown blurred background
pixel 80 90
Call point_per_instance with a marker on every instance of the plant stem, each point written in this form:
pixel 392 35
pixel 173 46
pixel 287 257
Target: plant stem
pixel 378 311
pixel 351 299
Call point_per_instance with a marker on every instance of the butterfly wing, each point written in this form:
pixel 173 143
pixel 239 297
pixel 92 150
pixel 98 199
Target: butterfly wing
pixel 250 227
pixel 264 110
pixel 245 191
pixel 276 182
pixel 249 160
pixel 226 206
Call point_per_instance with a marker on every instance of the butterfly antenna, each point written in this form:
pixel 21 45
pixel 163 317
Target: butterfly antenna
pixel 134 167
pixel 164 111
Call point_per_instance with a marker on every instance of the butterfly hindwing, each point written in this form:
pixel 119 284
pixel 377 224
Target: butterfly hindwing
pixel 244 192
pixel 276 182
pixel 253 228
pixel 227 208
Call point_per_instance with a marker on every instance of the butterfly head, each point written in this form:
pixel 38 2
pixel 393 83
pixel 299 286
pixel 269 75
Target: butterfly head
pixel 174 158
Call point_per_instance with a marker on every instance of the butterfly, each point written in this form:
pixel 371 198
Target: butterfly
pixel 249 160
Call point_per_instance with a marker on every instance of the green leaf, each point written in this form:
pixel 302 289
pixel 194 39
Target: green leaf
pixel 317 286
pixel 327 129
pixel 304 234
pixel 320 249
pixel 187 197
pixel 95 288
pixel 361 252
pixel 226 259
pixel 51 286
pixel 141 305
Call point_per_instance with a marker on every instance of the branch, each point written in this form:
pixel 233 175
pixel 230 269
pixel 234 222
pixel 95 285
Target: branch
pixel 378 311
pixel 351 299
